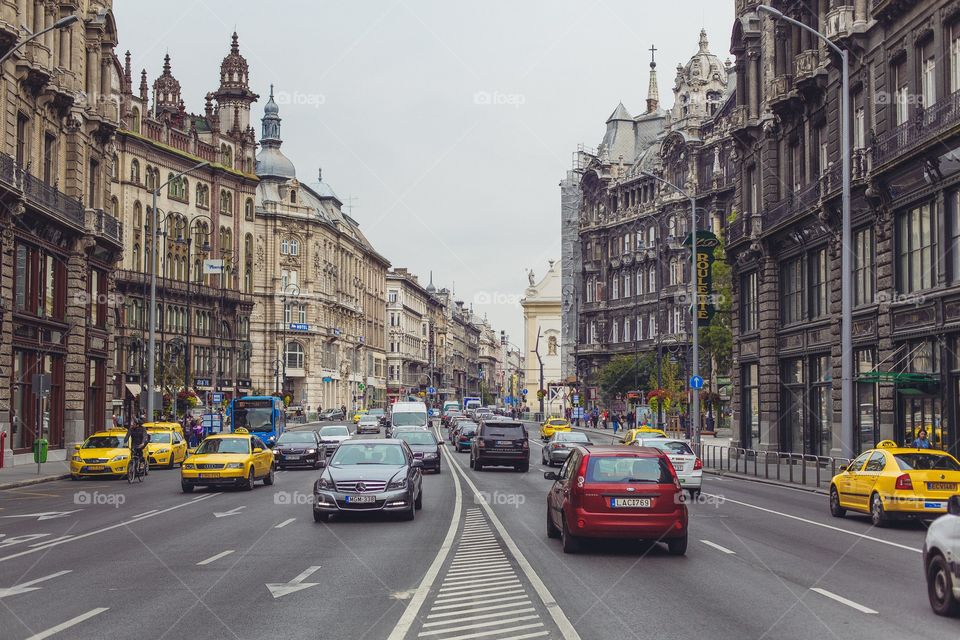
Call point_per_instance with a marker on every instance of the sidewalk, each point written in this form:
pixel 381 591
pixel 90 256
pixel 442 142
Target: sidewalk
pixel 25 474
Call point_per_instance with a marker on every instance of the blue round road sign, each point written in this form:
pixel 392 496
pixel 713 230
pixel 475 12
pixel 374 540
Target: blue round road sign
pixel 696 382
pixel 431 390
pixel 524 392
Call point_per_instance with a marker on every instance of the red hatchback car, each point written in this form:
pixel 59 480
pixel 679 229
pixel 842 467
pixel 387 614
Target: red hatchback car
pixel 617 492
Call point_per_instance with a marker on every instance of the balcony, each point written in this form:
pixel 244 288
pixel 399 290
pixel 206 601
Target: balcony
pixel 106 226
pixel 805 65
pixel 40 195
pixel 780 89
pixel 928 125
pixel 795 204
pixel 839 23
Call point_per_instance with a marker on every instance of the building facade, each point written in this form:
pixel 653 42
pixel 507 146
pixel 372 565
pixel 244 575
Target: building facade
pixel 318 323
pixel 60 232
pixel 785 242
pixel 542 343
pixel 204 222
pixel 410 308
pixel 633 290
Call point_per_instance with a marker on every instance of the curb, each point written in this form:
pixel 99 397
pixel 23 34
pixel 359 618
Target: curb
pixel 26 483
pixel 774 483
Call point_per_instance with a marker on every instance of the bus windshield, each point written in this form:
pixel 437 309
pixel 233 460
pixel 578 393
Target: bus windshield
pixel 254 420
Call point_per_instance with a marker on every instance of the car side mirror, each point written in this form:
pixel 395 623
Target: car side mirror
pixel 550 475
pixel 257 450
pixel 77 446
pixel 953 506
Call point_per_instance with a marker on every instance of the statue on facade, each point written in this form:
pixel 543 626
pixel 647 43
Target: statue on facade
pixel 531 277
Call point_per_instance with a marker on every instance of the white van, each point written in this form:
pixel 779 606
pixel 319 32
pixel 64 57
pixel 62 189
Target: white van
pixel 409 414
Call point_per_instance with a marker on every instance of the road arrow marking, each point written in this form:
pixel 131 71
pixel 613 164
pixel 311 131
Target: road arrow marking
pixel 282 589
pixel 12 540
pixel 232 512
pixel 46 515
pixel 26 587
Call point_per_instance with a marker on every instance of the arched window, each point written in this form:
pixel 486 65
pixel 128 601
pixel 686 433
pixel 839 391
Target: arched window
pixel 248 209
pixel 115 207
pixel 135 118
pixel 135 254
pixel 651 236
pixel 293 195
pixel 115 168
pixel 226 202
pixel 248 279
pixel 226 155
pixel 294 247
pixel 248 247
pixel 199 196
pixel 137 216
pixel 652 279
pixel 672 226
pixel 676 275
pixel 295 355
pixel 639 289
pixel 135 172
pixel 284 247
pixel 227 245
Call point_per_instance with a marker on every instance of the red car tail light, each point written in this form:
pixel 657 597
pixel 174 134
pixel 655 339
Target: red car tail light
pixel 698 464
pixel 526 445
pixel 481 444
pixel 904 483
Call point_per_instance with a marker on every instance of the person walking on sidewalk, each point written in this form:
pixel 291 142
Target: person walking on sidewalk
pixel 922 442
pixel 616 421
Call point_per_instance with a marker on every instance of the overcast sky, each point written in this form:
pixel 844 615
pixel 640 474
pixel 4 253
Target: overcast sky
pixel 449 122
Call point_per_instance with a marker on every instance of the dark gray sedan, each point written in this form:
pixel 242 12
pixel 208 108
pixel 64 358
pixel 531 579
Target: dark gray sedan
pixel 369 475
pixel 424 445
pixel 556 450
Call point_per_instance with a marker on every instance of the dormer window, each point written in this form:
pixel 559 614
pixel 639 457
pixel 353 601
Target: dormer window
pixel 293 196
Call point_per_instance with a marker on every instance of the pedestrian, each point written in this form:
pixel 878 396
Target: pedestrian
pixel 616 421
pixel 711 423
pixel 632 419
pixel 605 417
pixel 922 442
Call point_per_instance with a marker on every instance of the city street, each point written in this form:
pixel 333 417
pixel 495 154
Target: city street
pixel 88 558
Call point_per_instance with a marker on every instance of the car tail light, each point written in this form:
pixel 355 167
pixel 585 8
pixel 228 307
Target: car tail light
pixel 481 443
pixel 525 445
pixel 559 446
pixel 904 483
pixel 697 464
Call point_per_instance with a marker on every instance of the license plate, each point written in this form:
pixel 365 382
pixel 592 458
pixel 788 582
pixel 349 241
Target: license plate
pixel 291 457
pixel 942 486
pixel 360 499
pixel 95 467
pixel 209 475
pixel 933 505
pixel 620 503
pixel 504 443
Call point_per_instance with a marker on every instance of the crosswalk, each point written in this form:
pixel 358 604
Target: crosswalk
pixel 481 595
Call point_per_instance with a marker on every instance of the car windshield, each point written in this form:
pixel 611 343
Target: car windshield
pixel 224 445
pixel 293 437
pixel 468 430
pixel 369 453
pixel 254 419
pixel 505 431
pixel 628 469
pixel 105 442
pixel 558 423
pixel 670 446
pixel 417 437
pixel 412 419
pixel 334 431
pixel 368 418
pixel 160 437
pixel 375 412
pixel 571 436
pixel 922 461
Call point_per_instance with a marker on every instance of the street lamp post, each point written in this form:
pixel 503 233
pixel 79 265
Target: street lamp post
pixel 846 251
pixel 694 321
pixel 204 248
pixel 62 23
pixel 152 340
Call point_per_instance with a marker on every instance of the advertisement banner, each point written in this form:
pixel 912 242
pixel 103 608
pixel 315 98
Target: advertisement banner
pixel 707 243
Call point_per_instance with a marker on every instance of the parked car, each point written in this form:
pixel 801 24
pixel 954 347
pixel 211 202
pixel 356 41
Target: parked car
pixel 559 446
pixel 369 475
pixel 616 492
pixel 297 448
pixel 500 442
pixel 941 560
pixel 424 445
pixel 331 415
pixel 685 462
pixel 331 436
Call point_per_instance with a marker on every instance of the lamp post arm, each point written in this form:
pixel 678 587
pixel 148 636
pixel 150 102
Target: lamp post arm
pixel 779 15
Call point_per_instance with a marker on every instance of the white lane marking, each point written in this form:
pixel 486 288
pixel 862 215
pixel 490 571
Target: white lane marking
pixel 233 512
pixel 478 574
pixel 284 523
pixel 489 586
pixel 145 513
pixel 485 616
pixel 473 596
pixel 484 625
pixel 470 570
pixel 69 623
pixel 222 554
pixel 472 609
pixel 409 615
pixel 280 589
pixel 460 606
pixel 526 636
pixel 45 515
pixel 567 631
pixel 467 585
pixel 842 600
pixel 819 524
pixel 60 539
pixel 53 543
pixel 26 587
pixel 718 547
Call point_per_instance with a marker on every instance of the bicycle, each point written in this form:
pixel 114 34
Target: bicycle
pixel 137 469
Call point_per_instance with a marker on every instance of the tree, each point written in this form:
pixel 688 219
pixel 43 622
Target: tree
pixel 628 373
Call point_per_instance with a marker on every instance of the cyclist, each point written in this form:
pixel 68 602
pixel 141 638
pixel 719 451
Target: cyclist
pixel 138 437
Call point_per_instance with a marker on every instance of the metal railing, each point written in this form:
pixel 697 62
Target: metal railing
pixel 794 468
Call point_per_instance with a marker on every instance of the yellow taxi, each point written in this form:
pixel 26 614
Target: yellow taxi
pixel 551 426
pixel 167 446
pixel 891 481
pixel 641 432
pixel 105 453
pixel 356 416
pixel 235 459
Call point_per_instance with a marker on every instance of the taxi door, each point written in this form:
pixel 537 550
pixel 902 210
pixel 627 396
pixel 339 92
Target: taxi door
pixel 866 479
pixel 262 460
pixel 178 449
pixel 846 483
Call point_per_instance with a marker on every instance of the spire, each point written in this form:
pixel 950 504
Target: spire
pixel 127 74
pixel 271 123
pixel 144 87
pixel 704 45
pixel 235 44
pixel 653 92
pixel 430 287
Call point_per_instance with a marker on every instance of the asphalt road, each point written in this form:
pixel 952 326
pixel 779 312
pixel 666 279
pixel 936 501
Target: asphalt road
pixel 105 557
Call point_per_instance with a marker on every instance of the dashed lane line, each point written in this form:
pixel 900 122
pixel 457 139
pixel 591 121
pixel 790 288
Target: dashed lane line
pixel 842 600
pixel 718 547
pixel 69 623
pixel 214 558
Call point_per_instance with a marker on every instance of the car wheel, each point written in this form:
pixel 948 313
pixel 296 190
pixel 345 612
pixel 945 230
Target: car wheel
pixel 471 461
pixel 410 514
pixel 552 531
pixel 283 467
pixel 940 588
pixel 316 463
pixel 677 546
pixel 571 543
pixel 523 468
pixel 186 488
pixel 73 477
pixel 320 517
pixel 170 464
pixel 877 514
pixel 269 479
pixel 438 467
pixel 477 465
pixel 418 503
pixel 251 479
pixel 835 509
pixel 694 493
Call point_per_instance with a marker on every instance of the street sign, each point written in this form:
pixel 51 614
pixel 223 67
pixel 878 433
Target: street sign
pixel 361 386
pixel 447 391
pixel 696 382
pixel 217 397
pixel 576 399
pixel 327 379
pixel 40 383
pixel 524 392
pixel 432 390
pixel 213 266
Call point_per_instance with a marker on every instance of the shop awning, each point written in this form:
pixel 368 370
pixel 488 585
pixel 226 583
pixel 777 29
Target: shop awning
pixel 134 389
pixel 907 384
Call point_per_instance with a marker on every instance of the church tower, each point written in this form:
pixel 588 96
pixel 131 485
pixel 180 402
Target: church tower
pixel 234 96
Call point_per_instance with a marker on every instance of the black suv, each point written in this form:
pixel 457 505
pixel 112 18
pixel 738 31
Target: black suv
pixel 500 442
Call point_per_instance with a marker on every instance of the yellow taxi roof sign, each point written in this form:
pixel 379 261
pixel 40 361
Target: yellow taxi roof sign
pixel 887 444
pixel 240 430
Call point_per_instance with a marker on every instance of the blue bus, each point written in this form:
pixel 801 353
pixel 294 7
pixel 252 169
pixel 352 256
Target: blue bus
pixel 264 416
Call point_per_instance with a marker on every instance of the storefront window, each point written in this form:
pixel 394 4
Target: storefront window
pixel 921 403
pixel 868 427
pixel 792 405
pixel 821 424
pixel 750 405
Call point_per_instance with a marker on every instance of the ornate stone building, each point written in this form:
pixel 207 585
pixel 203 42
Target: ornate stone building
pixel 410 308
pixel 785 241
pixel 204 220
pixel 632 292
pixel 541 305
pixel 318 325
pixel 59 233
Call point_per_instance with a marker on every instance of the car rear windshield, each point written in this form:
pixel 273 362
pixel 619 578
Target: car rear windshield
pixel 417 437
pixel 468 430
pixel 921 461
pixel 624 469
pixel 505 431
pixel 669 446
pixel 571 436
pixel 291 437
pixel 412 419
pixel 334 431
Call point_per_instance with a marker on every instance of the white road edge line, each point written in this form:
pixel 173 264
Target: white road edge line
pixel 819 524
pixel 567 631
pixel 409 615
pixel 69 623
pixel 842 600
pixel 718 547
pixel 284 523
pixel 222 554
